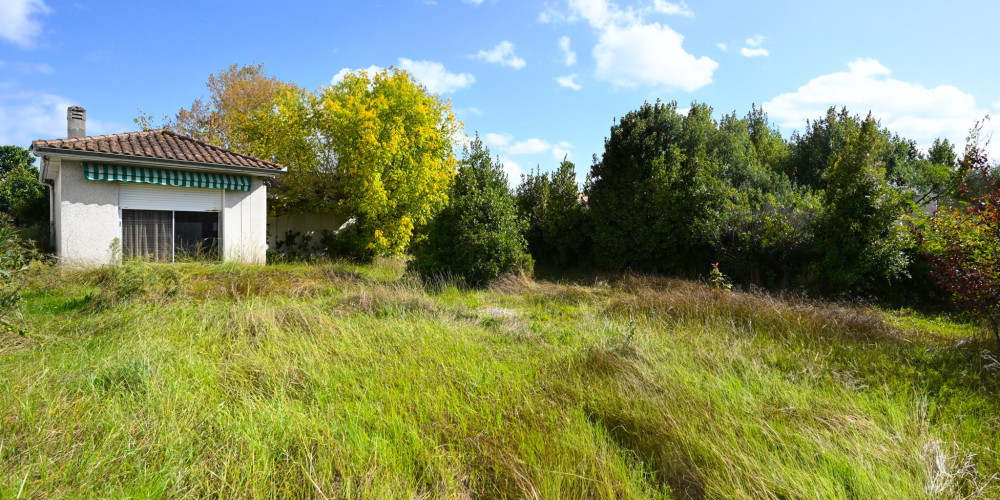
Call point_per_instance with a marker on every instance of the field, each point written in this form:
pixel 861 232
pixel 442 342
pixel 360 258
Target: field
pixel 338 380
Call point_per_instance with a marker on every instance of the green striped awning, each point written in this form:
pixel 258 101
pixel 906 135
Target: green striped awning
pixel 101 172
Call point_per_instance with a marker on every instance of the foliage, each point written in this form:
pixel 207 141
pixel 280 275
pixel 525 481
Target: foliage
pixel 718 281
pixel 15 254
pixel 376 148
pixel 963 243
pixel 653 197
pixel 556 216
pixel 860 239
pixel 12 157
pixel 22 197
pixel 477 237
pixel 238 95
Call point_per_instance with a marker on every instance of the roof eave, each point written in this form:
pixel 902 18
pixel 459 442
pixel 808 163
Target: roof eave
pixel 140 161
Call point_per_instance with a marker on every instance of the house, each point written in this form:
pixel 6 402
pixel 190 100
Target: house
pixel 157 194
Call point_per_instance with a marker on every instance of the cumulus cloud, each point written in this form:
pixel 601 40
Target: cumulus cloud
pixel 568 81
pixel 569 57
pixel 753 48
pixel 650 55
pixel 29 115
pixel 672 9
pixel 502 54
pixel 529 147
pixel 19 22
pixel 344 71
pixel 432 75
pixel 435 77
pixel 513 171
pixel 631 52
pixel 561 150
pixel 909 109
pixel 497 140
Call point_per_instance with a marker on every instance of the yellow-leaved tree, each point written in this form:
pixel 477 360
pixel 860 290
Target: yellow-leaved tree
pixel 374 147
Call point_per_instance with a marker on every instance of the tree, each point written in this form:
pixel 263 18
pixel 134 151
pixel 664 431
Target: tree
pixel 477 237
pixel 556 216
pixel 652 196
pixel 859 237
pixel 22 197
pixel 12 157
pixel 374 148
pixel 962 242
pixel 237 96
pixel 379 146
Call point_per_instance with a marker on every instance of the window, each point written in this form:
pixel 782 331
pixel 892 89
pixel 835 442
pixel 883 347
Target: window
pixel 165 235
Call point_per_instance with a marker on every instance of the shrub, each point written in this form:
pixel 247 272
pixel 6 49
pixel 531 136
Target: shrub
pixel 477 236
pixel 557 226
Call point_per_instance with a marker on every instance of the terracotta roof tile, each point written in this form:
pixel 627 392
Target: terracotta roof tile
pixel 158 144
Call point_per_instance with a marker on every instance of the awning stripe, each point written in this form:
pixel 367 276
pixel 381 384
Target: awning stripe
pixel 165 177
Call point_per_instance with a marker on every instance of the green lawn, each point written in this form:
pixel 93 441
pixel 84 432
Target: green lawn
pixel 338 380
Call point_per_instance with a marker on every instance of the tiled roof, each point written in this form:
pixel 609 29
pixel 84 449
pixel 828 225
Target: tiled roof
pixel 157 144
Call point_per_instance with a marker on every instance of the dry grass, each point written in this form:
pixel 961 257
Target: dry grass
pixel 346 381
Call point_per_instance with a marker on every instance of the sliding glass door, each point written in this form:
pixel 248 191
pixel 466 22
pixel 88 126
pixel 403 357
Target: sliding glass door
pixel 165 235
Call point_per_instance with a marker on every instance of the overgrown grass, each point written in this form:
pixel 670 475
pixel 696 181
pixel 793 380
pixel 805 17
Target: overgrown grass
pixel 340 380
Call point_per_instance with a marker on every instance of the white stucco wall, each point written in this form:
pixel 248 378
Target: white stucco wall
pixel 87 217
pixel 307 224
pixel 244 224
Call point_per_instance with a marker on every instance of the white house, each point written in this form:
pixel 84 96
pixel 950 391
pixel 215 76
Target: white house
pixel 158 193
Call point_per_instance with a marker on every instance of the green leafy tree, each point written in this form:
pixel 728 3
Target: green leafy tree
pixel 860 239
pixel 22 197
pixel 12 157
pixel 478 236
pixel 556 216
pixel 653 197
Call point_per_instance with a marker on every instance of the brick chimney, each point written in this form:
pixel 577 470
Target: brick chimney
pixel 76 122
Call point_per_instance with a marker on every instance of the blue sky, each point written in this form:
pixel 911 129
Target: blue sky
pixel 536 80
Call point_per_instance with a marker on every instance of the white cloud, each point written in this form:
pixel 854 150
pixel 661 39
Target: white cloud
pixel 568 81
pixel 996 105
pixel 432 75
pixel 497 140
pixel 513 171
pixel 753 48
pixel 29 115
pixel 673 9
pixel 631 52
pixel 756 52
pixel 561 150
pixel 651 55
pixel 502 54
pixel 344 71
pixel 723 47
pixel 529 147
pixel 471 110
pixel 473 2
pixel 435 77
pixel 569 57
pixel 18 22
pixel 909 109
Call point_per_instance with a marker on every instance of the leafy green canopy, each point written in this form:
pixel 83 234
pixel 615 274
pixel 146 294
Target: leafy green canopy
pixel 556 216
pixel 477 237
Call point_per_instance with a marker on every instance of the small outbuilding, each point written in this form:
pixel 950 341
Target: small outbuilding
pixel 156 194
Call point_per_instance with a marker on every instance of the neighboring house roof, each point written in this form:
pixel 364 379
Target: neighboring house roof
pixel 159 146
